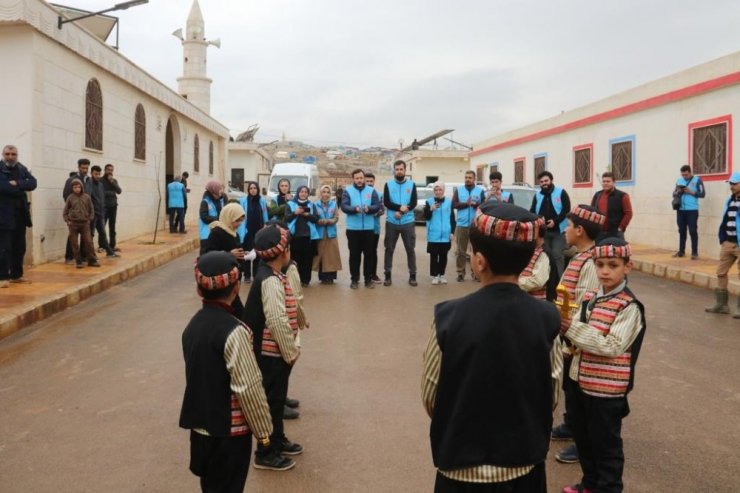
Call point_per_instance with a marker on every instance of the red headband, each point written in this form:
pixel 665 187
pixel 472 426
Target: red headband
pixel 277 250
pixel 219 281
pixel 611 251
pixel 586 215
pixel 503 229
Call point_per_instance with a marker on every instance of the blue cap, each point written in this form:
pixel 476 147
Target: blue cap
pixel 734 178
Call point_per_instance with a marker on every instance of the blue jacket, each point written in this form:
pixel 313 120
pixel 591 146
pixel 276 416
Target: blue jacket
pixel 13 201
pixel 244 202
pixel 175 195
pixel 722 231
pixel 292 206
pixel 557 204
pixel 213 212
pixel 691 202
pixel 328 230
pixel 366 197
pixel 439 225
pixel 465 213
pixel 396 195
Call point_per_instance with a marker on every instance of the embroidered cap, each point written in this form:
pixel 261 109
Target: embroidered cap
pixel 216 270
pixel 588 213
pixel 507 222
pixel 611 248
pixel 271 241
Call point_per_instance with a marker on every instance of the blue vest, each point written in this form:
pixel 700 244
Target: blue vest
pixel 377 218
pixel 293 205
pixel 400 193
pixel 360 198
pixel 328 213
pixel 241 231
pixel 465 216
pixel 557 204
pixel 689 202
pixel 439 227
pixel 204 228
pixel 722 236
pixel 175 195
pixel 505 197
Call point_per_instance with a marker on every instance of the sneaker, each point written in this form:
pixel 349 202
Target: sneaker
pixel 112 254
pixel 273 461
pixel 369 284
pixel 4 284
pixel 694 256
pixel 460 277
pixel 305 284
pixel 101 249
pixel 116 249
pixel 568 455
pixel 289 448
pixel 442 280
pixel 292 403
pixel 290 413
pixel 93 263
pixel 678 255
pixel 387 281
pixel 577 488
pixel 412 280
pixel 561 432
pixel 354 285
pixel 20 280
pixel 69 261
pixel 80 265
pixel 435 280
pixel 376 279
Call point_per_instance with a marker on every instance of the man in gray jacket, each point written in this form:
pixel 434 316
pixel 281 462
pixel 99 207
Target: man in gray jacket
pixel 94 187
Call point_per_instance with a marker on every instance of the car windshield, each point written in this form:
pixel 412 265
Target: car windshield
pixel 522 197
pixel 295 182
pixel 424 193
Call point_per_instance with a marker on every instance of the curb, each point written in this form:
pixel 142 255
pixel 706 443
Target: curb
pixel 673 273
pixel 70 297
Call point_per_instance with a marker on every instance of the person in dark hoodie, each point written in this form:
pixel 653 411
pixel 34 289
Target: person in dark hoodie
pixel 301 218
pixel 78 214
pixel 112 191
pixel 97 194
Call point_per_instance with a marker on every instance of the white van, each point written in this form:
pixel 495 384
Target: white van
pixel 297 174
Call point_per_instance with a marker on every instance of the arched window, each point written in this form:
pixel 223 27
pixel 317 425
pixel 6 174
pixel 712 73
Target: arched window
pixel 210 158
pixel 196 154
pixel 140 133
pixel 94 116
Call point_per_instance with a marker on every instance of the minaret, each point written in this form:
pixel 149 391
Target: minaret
pixel 194 85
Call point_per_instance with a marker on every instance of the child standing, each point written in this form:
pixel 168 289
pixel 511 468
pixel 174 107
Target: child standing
pixel 538 279
pixel 607 337
pixel 78 214
pixel 440 225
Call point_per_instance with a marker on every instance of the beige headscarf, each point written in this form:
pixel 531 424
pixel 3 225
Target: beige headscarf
pixel 230 213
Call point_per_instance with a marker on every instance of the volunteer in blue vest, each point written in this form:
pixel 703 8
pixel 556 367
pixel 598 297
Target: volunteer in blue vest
pixel 495 194
pixel 327 260
pixel 370 180
pixel 176 204
pixel 301 219
pixel 553 204
pixel 729 252
pixel 465 200
pixel 440 225
pixel 360 202
pixel 210 209
pixel 690 188
pixel 399 198
pixel 255 209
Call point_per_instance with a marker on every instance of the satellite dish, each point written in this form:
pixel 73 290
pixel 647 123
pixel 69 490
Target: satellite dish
pixel 178 33
pixel 215 42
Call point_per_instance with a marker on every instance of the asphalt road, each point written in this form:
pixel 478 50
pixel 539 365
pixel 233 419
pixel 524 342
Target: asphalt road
pixel 90 398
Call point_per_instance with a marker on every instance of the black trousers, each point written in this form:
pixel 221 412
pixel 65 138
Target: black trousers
pixel 275 376
pixel 98 225
pixel 373 257
pixel 361 244
pixel 177 219
pixel 534 482
pixel 12 251
pixel 688 220
pixel 222 463
pixel 597 431
pixel 302 252
pixel 110 220
pixel 438 260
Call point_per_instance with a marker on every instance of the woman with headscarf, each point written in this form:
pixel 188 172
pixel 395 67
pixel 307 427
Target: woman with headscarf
pixel 301 218
pixel 210 209
pixel 223 237
pixel 440 231
pixel 255 210
pixel 280 207
pixel 327 261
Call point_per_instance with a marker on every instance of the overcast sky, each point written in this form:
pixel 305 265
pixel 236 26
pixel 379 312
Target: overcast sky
pixel 332 72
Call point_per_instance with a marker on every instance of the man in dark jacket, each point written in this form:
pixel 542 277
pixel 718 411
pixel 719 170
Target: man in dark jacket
pixel 15 215
pixel 112 189
pixel 94 187
pixel 83 166
pixel 553 205
pixel 615 205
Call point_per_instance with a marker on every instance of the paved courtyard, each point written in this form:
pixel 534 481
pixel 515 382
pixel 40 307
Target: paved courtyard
pixel 89 398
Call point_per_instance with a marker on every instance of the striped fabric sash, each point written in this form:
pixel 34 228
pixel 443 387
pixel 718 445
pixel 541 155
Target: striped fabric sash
pixel 570 280
pixel 603 376
pixel 540 293
pixel 269 344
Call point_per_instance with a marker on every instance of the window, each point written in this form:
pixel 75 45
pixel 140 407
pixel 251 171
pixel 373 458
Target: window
pixel 94 116
pixel 140 133
pixel 479 170
pixel 540 164
pixel 210 158
pixel 519 170
pixel 710 149
pixel 494 167
pixel 622 159
pixel 196 154
pixel 582 168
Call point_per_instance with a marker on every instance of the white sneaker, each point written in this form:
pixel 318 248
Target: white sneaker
pixel 435 280
pixel 442 280
pixel 4 284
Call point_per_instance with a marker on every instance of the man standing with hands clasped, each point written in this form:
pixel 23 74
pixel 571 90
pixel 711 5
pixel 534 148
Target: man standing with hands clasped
pixel 465 200
pixel 399 197
pixel 553 205
pixel 112 189
pixel 360 203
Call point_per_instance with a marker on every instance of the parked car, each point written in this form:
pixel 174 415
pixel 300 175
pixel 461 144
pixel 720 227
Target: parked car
pixel 422 194
pixel 522 194
pixel 234 193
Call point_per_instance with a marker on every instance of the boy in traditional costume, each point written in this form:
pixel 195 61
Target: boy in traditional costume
pixel 500 442
pixel 538 278
pixel 224 401
pixel 607 337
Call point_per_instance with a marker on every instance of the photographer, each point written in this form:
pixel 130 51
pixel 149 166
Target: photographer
pixel 689 189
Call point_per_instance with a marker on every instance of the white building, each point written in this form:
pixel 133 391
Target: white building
pixel 428 166
pixel 248 162
pixel 644 135
pixel 68 95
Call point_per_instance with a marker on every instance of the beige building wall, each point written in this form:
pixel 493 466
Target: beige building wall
pixel 247 156
pixel 659 126
pixel 51 71
pixel 448 165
